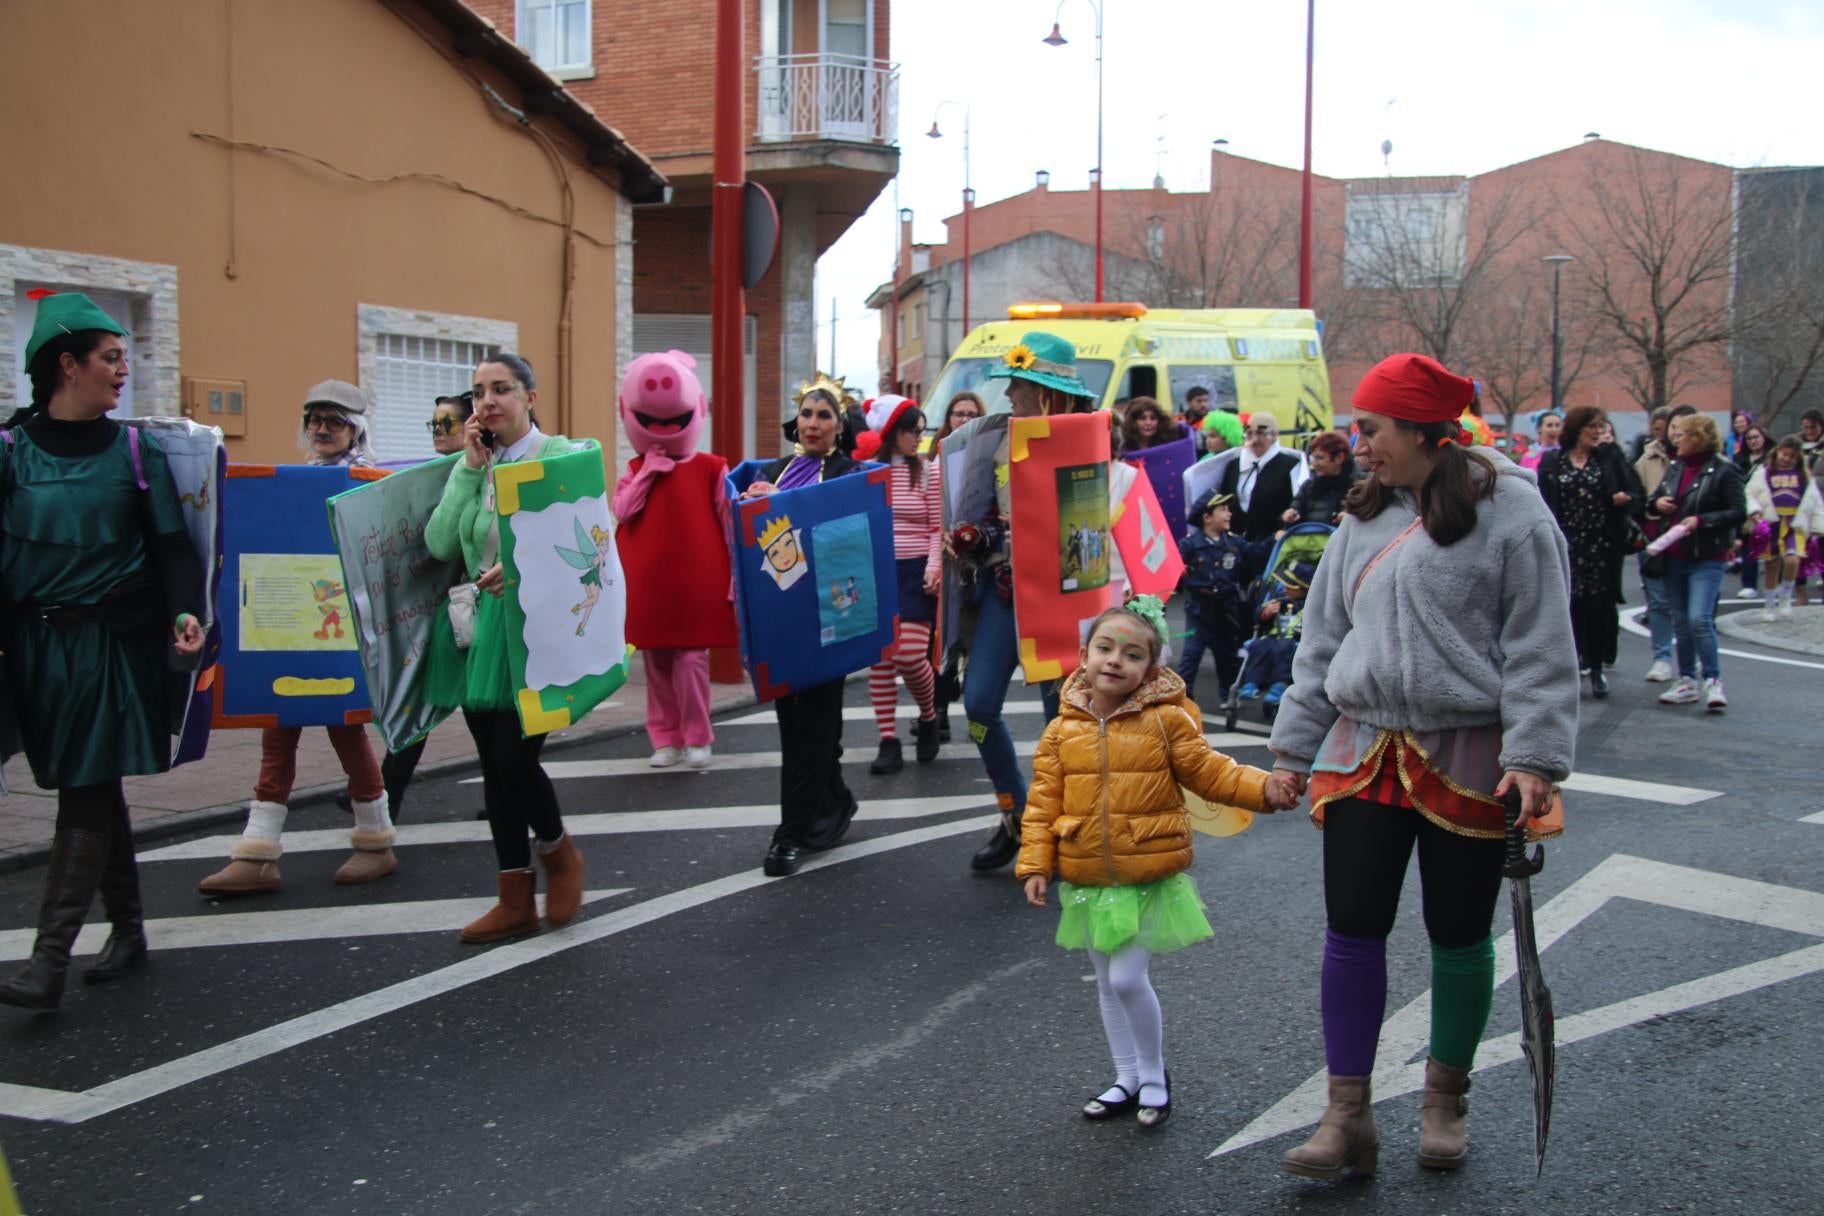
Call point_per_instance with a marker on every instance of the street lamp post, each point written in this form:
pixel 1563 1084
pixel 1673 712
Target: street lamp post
pixel 1557 261
pixel 899 246
pixel 968 199
pixel 1304 190
pixel 1056 38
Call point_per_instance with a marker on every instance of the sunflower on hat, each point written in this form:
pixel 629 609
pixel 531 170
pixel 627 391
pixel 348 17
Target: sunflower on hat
pixel 1020 358
pixel 1046 360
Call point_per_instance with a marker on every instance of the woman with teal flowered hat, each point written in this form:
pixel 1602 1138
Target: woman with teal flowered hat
pixel 97 582
pixel 1041 371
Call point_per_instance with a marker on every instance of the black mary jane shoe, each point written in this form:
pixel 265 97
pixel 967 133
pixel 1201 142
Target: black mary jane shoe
pixel 1153 1116
pixel 1096 1110
pixel 783 859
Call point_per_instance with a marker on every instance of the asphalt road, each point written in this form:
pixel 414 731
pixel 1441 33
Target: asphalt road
pixel 886 1032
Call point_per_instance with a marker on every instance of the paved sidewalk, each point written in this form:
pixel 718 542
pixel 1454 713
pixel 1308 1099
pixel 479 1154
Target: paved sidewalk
pixel 215 789
pixel 1803 631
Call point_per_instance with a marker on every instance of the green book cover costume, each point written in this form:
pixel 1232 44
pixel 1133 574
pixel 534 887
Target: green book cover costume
pixel 92 701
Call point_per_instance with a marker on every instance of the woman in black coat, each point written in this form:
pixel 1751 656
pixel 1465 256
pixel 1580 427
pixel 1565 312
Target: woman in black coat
pixel 1597 500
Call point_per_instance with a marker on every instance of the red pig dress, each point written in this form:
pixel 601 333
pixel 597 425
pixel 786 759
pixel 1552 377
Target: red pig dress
pixel 675 557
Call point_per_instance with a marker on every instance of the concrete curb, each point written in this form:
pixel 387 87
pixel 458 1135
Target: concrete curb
pixel 215 816
pixel 1796 635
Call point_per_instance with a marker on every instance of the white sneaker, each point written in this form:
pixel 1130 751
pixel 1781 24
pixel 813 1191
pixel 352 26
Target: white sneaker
pixel 665 757
pixel 697 757
pixel 1660 672
pixel 1682 693
pixel 1748 593
pixel 1767 613
pixel 1785 612
pixel 1713 695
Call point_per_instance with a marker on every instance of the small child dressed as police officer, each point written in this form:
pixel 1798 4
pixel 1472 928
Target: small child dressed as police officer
pixel 1218 566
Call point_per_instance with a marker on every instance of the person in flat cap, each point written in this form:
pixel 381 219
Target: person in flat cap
pixel 334 432
pixel 98 583
pixel 1434 675
pixel 1041 375
pixel 335 425
pixel 1218 566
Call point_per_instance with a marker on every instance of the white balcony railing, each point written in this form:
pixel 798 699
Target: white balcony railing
pixel 827 97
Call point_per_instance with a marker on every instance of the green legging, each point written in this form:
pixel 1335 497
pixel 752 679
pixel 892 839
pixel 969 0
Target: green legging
pixel 1462 992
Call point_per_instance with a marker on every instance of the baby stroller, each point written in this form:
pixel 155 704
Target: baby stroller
pixel 1302 542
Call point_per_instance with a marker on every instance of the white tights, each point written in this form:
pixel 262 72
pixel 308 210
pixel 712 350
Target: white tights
pixel 1133 1023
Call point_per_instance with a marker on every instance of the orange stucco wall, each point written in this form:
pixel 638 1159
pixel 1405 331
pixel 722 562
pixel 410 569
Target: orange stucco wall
pixel 109 165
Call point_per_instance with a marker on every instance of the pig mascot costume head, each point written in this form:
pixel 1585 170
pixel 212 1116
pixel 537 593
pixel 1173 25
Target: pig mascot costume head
pixel 663 408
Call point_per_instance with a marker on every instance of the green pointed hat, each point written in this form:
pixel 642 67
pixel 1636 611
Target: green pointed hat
pixel 1043 359
pixel 66 312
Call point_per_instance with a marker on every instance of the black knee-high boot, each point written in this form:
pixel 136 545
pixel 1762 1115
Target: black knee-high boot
pixel 78 857
pixel 126 944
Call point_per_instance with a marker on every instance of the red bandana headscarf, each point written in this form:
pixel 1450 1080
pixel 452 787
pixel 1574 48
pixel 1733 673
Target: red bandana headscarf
pixel 1415 388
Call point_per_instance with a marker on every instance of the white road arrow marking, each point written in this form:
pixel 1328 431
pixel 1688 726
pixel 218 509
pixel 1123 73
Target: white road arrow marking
pixel 714 818
pixel 294 925
pixel 64 1106
pixel 1405 1035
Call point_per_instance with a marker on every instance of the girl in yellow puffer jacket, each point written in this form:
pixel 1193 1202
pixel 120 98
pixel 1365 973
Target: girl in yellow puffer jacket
pixel 1105 813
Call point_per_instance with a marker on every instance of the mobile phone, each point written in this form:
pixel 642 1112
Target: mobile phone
pixel 487 437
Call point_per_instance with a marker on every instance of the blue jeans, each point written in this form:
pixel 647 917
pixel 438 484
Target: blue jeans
pixel 1659 617
pixel 1691 589
pixel 994 654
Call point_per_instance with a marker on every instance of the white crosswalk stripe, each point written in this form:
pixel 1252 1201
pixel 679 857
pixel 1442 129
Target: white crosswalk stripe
pixel 293 925
pixel 710 818
pixel 864 713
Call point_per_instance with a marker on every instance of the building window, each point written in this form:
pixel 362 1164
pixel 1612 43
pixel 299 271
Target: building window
pixel 407 359
pixel 1155 238
pixel 556 33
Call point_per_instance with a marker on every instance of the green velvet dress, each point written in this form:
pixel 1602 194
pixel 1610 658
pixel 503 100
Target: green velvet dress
pixel 92 703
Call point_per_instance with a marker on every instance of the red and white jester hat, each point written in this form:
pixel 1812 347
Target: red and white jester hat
pixel 1416 388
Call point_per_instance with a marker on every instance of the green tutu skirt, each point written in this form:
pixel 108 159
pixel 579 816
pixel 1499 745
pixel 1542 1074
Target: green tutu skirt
pixel 487 679
pixel 1159 917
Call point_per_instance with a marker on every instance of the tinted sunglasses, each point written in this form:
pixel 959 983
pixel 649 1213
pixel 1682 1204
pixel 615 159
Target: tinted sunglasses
pixel 325 422
pixel 446 425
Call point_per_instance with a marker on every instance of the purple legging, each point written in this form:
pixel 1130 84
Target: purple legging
pixel 1354 1001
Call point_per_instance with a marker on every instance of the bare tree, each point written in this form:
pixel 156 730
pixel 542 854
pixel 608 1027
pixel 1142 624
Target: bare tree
pixel 1654 240
pixel 1431 255
pixel 1507 342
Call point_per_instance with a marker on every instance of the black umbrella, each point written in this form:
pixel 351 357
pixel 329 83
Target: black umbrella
pixel 1537 1030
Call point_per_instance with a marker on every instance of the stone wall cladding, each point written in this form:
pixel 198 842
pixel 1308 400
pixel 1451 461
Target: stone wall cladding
pixel 153 289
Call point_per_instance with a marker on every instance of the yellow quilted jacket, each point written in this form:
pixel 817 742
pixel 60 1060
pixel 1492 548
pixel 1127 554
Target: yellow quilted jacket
pixel 1104 809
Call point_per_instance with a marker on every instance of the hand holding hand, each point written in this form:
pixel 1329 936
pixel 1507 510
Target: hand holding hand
pixel 1284 789
pixel 493 580
pixel 1535 793
pixel 187 636
pixel 1035 890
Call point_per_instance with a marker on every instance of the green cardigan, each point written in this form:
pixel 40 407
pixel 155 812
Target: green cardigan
pixel 462 522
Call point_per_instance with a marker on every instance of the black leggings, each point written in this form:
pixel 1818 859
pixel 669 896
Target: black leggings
pixel 514 786
pixel 92 808
pixel 1366 848
pixel 1596 629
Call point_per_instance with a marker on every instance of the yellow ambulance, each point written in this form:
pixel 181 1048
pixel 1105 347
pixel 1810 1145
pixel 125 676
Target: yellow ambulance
pixel 1248 359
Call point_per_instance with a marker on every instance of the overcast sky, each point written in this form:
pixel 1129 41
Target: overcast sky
pixel 1458 87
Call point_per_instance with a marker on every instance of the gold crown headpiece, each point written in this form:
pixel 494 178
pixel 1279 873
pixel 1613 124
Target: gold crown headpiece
pixel 821 381
pixel 774 530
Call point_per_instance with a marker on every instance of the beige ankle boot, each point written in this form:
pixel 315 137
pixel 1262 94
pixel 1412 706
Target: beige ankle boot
pixel 1346 1140
pixel 1443 1132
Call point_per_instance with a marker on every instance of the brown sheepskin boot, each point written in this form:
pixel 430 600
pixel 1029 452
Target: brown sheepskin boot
pixel 1346 1140
pixel 514 916
pixel 1443 1129
pixel 563 881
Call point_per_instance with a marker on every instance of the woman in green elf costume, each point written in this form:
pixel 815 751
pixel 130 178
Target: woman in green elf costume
pixel 97 582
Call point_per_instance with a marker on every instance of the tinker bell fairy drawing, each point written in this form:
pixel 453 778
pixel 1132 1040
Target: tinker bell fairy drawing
pixel 591 549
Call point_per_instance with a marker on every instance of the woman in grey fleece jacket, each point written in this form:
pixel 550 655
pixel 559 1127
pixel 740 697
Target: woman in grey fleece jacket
pixel 1436 672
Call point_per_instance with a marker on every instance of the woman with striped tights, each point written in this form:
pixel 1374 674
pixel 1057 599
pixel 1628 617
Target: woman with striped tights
pixel 917 528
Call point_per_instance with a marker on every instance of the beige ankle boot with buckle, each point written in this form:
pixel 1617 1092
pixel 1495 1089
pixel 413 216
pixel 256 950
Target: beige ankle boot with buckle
pixel 1443 1127
pixel 1346 1140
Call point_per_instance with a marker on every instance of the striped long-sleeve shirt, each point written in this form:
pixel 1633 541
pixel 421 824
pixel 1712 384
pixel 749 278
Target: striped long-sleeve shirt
pixel 917 514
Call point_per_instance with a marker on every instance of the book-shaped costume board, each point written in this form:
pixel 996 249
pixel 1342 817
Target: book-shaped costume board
pixel 396 589
pixel 966 483
pixel 1166 466
pixel 566 597
pixel 1058 470
pixel 1148 543
pixel 289 652
pixel 199 465
pixel 816 591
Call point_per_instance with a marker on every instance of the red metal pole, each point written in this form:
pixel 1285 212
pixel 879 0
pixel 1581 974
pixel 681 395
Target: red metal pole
pixel 1304 202
pixel 728 305
pixel 1099 173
